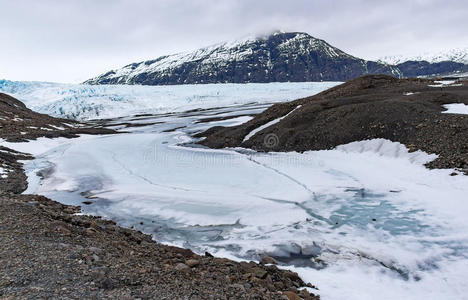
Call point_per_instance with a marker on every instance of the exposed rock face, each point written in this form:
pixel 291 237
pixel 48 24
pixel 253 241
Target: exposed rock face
pixel 279 57
pixel 408 111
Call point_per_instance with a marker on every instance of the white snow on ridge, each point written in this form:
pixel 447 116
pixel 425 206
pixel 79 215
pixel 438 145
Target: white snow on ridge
pixel 271 123
pixel 82 102
pixel 456 108
pixel 212 58
pixel 306 44
pixel 208 55
pixel 459 55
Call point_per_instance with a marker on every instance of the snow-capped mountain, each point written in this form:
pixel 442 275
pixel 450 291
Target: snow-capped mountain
pixel 459 55
pixel 278 57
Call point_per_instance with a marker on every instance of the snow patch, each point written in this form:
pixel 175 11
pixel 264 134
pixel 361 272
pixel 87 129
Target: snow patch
pixel 3 173
pixel 232 122
pixel 56 127
pixel 456 108
pixel 271 123
pixel 445 83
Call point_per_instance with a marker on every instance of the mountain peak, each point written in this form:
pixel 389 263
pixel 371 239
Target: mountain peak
pixel 279 56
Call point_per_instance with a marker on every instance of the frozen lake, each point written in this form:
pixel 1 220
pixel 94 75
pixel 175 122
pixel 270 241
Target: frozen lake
pixel 364 221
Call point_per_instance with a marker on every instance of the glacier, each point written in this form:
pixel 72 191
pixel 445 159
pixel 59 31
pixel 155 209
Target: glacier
pixel 86 102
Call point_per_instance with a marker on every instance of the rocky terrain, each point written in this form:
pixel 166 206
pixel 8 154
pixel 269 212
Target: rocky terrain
pixel 279 57
pixel 408 111
pixel 50 251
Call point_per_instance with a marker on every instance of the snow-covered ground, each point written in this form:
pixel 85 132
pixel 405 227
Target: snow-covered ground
pixel 364 221
pixel 84 102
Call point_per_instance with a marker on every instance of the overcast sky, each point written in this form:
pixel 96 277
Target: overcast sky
pixel 73 40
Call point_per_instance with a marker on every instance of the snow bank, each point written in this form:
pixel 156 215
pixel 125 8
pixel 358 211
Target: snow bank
pixel 383 147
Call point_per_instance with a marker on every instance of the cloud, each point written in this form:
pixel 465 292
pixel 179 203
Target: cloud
pixel 73 40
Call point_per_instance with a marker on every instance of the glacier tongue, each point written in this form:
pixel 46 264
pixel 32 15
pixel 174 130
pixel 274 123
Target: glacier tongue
pixel 84 102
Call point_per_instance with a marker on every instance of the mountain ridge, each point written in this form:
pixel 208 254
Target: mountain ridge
pixel 458 55
pixel 278 57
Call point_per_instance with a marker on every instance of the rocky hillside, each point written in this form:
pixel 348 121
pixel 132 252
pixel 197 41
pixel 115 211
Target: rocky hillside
pixel 278 57
pixel 409 111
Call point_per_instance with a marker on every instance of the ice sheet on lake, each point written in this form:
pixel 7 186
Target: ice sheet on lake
pixel 367 209
pixel 355 220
